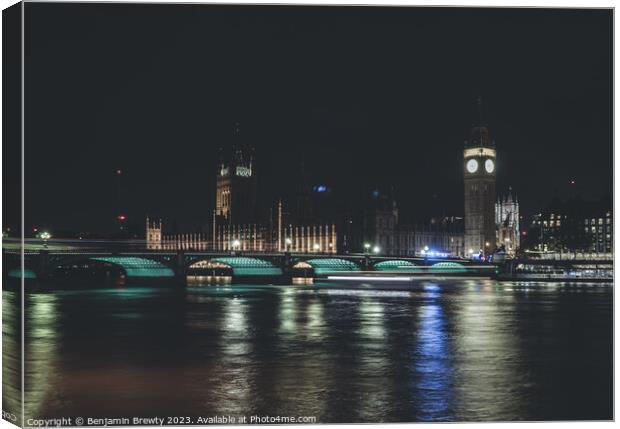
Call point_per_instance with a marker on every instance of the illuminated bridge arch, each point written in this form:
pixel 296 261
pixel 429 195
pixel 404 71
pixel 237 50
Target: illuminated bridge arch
pixel 327 265
pixel 394 265
pixel 453 267
pixel 136 267
pixel 17 273
pixel 240 266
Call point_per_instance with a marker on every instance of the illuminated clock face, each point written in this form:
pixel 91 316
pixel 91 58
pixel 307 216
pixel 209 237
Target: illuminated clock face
pixel 489 165
pixel 472 165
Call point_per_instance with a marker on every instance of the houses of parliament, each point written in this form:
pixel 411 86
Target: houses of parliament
pixel 490 223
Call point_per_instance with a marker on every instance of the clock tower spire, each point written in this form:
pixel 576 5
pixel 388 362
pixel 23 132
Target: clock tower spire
pixel 479 172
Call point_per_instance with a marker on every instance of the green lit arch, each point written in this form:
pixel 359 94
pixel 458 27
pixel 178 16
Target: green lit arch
pixel 454 267
pixel 328 265
pixel 394 265
pixel 240 265
pixel 137 267
pixel 17 274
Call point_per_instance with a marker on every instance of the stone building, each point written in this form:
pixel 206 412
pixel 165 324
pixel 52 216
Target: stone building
pixel 385 233
pixel 236 225
pixel 574 225
pixel 479 173
pixel 507 222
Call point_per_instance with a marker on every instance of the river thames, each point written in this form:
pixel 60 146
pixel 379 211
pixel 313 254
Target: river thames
pixel 465 350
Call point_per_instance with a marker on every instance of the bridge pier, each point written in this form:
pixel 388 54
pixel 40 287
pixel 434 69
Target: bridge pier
pixel 286 265
pixel 181 271
pixel 43 269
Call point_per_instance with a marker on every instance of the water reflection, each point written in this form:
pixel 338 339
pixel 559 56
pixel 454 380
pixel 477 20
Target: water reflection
pixel 41 330
pixel 432 359
pixel 235 365
pixel 11 355
pixel 484 341
pixel 460 351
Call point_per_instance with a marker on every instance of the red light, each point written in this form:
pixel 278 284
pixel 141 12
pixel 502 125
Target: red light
pixel 120 217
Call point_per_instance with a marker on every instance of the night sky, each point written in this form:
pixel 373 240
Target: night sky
pixel 370 96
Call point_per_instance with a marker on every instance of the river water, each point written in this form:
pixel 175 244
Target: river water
pixel 470 350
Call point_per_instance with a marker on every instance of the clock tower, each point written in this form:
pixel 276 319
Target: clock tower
pixel 479 178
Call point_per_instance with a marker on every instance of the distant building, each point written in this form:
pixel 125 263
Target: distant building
pixel 153 234
pixel 380 222
pixel 479 177
pixel 236 225
pixel 235 213
pixel 156 240
pixel 384 232
pixel 443 235
pixel 370 224
pixel 573 226
pixel 507 222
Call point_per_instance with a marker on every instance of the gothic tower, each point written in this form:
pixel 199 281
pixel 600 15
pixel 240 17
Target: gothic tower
pixel 479 177
pixel 507 221
pixel 153 234
pixel 235 201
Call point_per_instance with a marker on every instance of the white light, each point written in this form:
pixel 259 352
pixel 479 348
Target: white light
pixel 376 249
pixel 472 165
pixel 423 251
pixel 471 251
pixel 426 248
pixel 236 243
pixel 288 241
pixel 489 165
pixel 366 246
pixel 371 278
pixel 316 246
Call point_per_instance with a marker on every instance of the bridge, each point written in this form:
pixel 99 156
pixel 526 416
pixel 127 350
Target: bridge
pixel 48 264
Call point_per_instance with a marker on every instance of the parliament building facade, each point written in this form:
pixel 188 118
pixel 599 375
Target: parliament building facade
pixel 488 224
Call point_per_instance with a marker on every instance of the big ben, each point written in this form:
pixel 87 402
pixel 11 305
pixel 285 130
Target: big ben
pixel 479 170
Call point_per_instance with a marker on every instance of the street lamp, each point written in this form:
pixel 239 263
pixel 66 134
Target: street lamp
pixel 45 236
pixel 236 244
pixel 366 247
pixel 288 243
pixel 316 247
pixel 376 249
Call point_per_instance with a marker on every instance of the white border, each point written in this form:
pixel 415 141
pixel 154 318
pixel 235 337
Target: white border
pixel 478 3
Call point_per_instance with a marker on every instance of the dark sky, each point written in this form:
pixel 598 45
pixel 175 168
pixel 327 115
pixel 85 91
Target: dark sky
pixel 369 95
